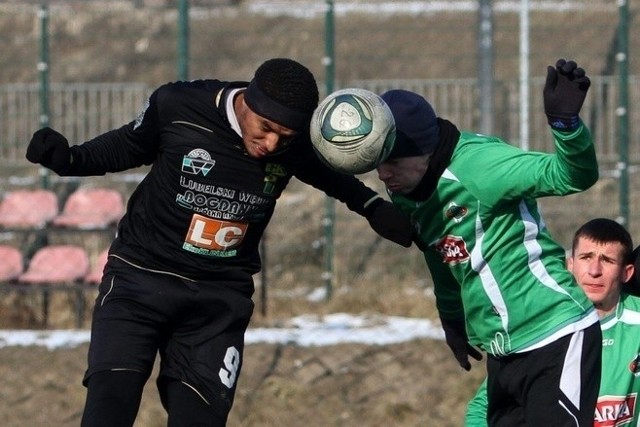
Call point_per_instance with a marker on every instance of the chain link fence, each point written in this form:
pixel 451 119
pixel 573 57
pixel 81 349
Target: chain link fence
pixel 107 56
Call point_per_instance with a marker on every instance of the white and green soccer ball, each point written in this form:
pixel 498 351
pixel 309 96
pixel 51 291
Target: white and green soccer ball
pixel 352 131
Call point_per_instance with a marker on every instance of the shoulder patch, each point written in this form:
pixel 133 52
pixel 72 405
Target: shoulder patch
pixel 456 212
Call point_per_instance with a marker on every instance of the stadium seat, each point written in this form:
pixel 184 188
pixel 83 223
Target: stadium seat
pixel 95 273
pixel 28 209
pixel 91 209
pixel 61 267
pixel 56 264
pixel 11 263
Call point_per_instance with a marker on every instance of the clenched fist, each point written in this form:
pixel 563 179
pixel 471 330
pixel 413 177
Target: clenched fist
pixel 50 149
pixel 564 92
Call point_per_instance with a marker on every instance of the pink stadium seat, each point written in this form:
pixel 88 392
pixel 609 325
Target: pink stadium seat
pixel 11 263
pixel 60 267
pixel 91 208
pixel 28 209
pixel 56 264
pixel 95 274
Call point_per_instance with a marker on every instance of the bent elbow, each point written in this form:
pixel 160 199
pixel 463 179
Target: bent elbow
pixel 587 179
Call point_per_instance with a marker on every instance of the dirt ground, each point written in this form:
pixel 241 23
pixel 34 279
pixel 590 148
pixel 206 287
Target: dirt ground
pixel 415 383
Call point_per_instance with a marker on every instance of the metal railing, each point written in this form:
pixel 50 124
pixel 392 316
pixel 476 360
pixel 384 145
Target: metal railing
pixel 79 111
pixel 83 110
pixel 457 101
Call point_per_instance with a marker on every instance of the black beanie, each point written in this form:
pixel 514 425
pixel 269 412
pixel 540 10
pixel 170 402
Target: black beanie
pixel 416 124
pixel 285 92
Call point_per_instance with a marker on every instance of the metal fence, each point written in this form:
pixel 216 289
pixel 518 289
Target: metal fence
pixel 457 100
pixel 83 110
pixel 434 51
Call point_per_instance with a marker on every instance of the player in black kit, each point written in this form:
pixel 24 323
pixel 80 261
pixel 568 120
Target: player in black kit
pixel 179 276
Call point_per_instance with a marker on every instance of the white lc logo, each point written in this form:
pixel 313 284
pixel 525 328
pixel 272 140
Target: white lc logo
pixel 214 234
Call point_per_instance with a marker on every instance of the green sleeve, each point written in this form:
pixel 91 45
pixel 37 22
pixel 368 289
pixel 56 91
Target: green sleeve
pixel 571 169
pixel 476 415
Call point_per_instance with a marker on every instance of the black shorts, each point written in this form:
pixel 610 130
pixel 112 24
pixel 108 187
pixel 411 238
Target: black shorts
pixel 197 328
pixel 556 385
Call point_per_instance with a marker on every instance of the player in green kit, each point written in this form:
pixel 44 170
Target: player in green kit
pixel 500 279
pixel 601 262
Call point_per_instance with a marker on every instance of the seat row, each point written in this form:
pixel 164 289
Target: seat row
pixel 51 265
pixel 84 209
pixel 53 270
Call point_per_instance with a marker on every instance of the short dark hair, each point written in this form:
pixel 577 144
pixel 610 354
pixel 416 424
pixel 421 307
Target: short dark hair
pixel 604 230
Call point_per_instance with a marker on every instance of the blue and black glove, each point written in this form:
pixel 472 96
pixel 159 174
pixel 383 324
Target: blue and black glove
pixel 564 92
pixel 50 149
pixel 455 334
pixel 389 222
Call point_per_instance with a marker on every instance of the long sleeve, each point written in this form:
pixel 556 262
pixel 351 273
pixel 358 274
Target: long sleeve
pixel 345 188
pixel 133 145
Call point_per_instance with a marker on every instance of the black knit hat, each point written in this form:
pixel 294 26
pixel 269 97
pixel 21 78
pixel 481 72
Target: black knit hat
pixel 416 124
pixel 285 92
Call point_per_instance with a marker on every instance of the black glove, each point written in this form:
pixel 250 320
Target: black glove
pixel 389 222
pixel 564 92
pixel 50 149
pixel 455 334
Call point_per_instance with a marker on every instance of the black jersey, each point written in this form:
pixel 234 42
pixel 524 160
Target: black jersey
pixel 201 210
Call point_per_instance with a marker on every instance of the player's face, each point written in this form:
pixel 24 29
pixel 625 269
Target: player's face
pixel 600 271
pixel 261 136
pixel 402 175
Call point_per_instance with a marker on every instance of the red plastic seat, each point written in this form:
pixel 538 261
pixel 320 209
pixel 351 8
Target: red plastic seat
pixel 60 267
pixel 95 273
pixel 91 208
pixel 11 263
pixel 56 264
pixel 28 209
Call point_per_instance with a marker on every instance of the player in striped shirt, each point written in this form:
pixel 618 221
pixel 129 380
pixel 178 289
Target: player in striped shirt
pixel 601 261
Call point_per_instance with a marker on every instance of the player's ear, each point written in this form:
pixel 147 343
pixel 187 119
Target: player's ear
pixel 570 263
pixel 628 272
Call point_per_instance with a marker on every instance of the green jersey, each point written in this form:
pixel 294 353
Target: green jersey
pixel 620 381
pixel 490 255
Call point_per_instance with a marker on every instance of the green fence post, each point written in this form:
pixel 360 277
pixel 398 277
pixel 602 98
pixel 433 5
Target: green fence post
pixel 183 40
pixel 330 210
pixel 43 73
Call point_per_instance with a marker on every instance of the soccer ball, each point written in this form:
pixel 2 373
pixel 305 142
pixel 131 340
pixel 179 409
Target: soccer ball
pixel 352 131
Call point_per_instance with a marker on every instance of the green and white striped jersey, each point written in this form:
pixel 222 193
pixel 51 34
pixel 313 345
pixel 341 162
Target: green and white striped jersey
pixel 487 247
pixel 620 380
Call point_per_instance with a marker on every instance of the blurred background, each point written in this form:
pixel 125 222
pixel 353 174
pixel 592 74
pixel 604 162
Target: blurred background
pixel 85 67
